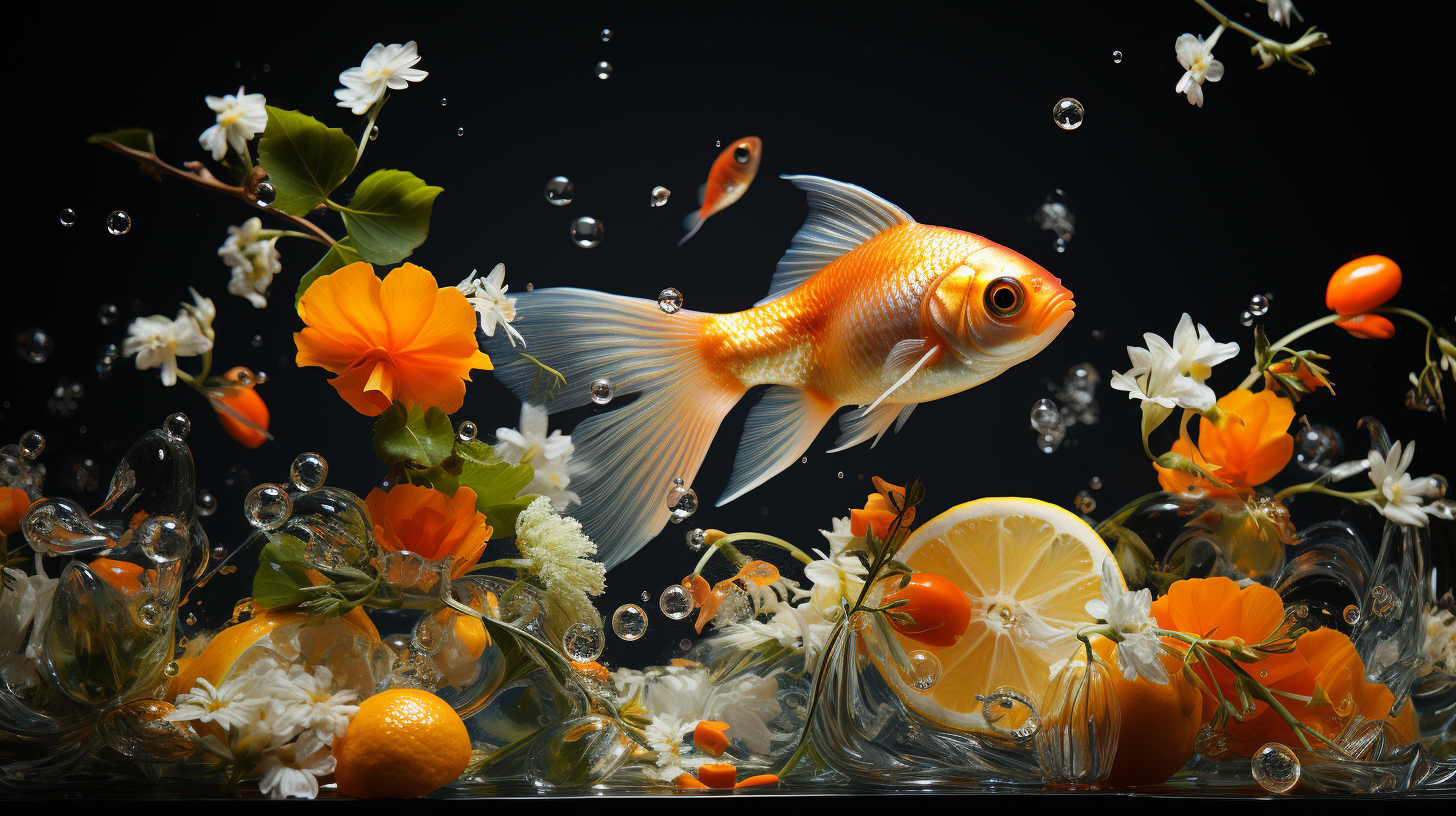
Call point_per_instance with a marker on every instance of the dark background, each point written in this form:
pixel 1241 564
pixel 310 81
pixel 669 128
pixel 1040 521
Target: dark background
pixel 1269 187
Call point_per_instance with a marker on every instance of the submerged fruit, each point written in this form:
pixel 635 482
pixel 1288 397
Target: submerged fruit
pixel 1368 327
pixel 1362 284
pixel 1159 723
pixel 402 744
pixel 940 609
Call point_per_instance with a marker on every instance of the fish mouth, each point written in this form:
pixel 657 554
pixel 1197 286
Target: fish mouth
pixel 1060 305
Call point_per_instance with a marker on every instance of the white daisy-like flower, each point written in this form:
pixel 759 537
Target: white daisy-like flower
pixel 487 296
pixel 677 698
pixel 384 67
pixel 1172 375
pixel 239 118
pixel 235 705
pixel 158 341
pixel 320 706
pixel 1283 12
pixel 1196 56
pixel 1131 615
pixel 253 260
pixel 293 770
pixel 561 557
pixel 1401 498
pixel 548 456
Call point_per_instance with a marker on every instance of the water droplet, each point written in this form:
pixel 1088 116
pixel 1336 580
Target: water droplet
pixel 718 143
pixel 1246 319
pixel 34 345
pixel 466 431
pixel 646 596
pixel 1117 57
pixel 629 622
pixel 676 602
pixel 108 314
pixel 308 472
pixel 267 506
pixel 191 619
pixel 669 300
pixel 583 643
pixel 265 193
pixel 1275 767
pixel 32 444
pixel 924 671
pixel 1084 502
pixel 601 391
pixel 1095 483
pixel 374 133
pixel 1045 416
pixel 177 426
pixel 560 191
pixel 1352 614
pixel 841 474
pixel 459 131
pixel 660 196
pixel 118 223
pixel 1258 305
pixel 682 502
pixel 586 232
pixel 606 34
pixel 1068 113
pixel 1317 447
pixel 603 69
pixel 150 614
pixel 1436 486
pixel 443 101
pixel 697 540
pixel 1383 601
pixel 171 669
pixel 68 217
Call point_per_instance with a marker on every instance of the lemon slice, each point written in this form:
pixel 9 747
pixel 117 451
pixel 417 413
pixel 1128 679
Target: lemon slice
pixel 1028 568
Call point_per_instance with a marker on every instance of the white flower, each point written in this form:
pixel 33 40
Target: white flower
pixel 488 296
pixel 159 341
pixel 677 698
pixel 1172 376
pixel 293 769
pixel 1197 56
pixel 1438 650
pixel 202 311
pixel 234 706
pixel 1283 12
pixel 561 557
pixel 239 118
pixel 548 456
pixel 24 600
pixel 253 260
pixel 1401 497
pixel 747 703
pixel 321 706
pixel 1130 613
pixel 385 66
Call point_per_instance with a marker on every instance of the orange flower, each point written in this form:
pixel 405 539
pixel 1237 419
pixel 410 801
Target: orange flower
pixel 1322 682
pixel 879 511
pixel 430 524
pixel 13 504
pixel 402 338
pixel 1246 454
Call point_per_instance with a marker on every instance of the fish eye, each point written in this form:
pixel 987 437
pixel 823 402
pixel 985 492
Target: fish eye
pixel 741 154
pixel 1004 297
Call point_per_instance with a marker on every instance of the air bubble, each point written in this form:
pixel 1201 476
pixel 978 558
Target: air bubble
pixel 583 643
pixel 466 431
pixel 32 444
pixel 587 232
pixel 108 314
pixel 1258 306
pixel 118 223
pixel 560 190
pixel 1085 503
pixel 206 505
pixel 1117 57
pixel 603 69
pixel 267 506
pixel 629 622
pixel 1246 318
pixel 925 669
pixel 676 602
pixel 1351 614
pixel 1045 416
pixel 1068 113
pixel 660 196
pixel 682 502
pixel 68 217
pixel 374 133
pixel 1275 767
pixel 1317 447
pixel 177 426
pixel 697 539
pixel 601 391
pixel 459 131
pixel 34 345
pixel 308 472
pixel 606 34
pixel 265 193
pixel 1095 483
pixel 669 300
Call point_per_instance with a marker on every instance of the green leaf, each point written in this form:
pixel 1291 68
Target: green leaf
pixel 282 573
pixel 305 160
pixel 389 215
pixel 502 517
pixel 494 480
pixel 413 435
pixel 134 138
pixel 339 256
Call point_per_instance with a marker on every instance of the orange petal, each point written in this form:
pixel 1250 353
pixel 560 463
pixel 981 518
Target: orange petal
pixel 757 780
pixel 688 781
pixel 709 738
pixel 1368 327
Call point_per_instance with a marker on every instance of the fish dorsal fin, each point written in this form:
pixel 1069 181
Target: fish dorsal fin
pixel 841 217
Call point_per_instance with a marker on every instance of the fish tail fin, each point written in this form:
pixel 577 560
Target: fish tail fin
pixel 693 222
pixel 778 430
pixel 626 459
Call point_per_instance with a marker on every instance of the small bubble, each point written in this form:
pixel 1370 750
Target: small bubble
pixel 1095 483
pixel 682 502
pixel 171 669
pixel 68 217
pixel 1068 113
pixel 669 300
pixel 308 472
pixel 219 552
pixel 118 223
pixel 150 614
pixel 34 345
pixel 1117 57
pixel 583 643
pixel 560 191
pixel 1211 743
pixel 629 622
pixel 676 602
pixel 1275 767
pixel 374 133
pixel 1098 334
pixel 603 69
pixel 1045 416
pixel 177 426
pixel 685 644
pixel 1317 447
pixel 1084 502
pixel 1048 442
pixel 108 314
pixel 267 67
pixel 697 539
pixel 466 431
pixel 191 619
pixel 257 341
pixel 32 444
pixel 459 131
pixel 841 474
pixel 660 196
pixel 267 506
pixel 265 193
pixel 1246 318
pixel 1258 305
pixel 925 669
pixel 587 232
pixel 606 35
pixel 646 596
pixel 601 391
pixel 1352 614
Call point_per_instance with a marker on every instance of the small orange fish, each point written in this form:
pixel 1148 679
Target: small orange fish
pixel 867 308
pixel 728 180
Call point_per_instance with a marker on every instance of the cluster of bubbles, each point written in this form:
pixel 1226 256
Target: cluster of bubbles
pixel 1055 216
pixel 1317 447
pixel 108 314
pixel 584 643
pixel 65 399
pixel 682 501
pixel 1258 307
pixel 1068 113
pixel 1075 404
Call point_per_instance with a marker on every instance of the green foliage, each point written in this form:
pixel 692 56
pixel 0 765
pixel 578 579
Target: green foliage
pixel 420 439
pixel 495 481
pixel 282 573
pixel 305 160
pixel 340 255
pixel 389 215
pixel 134 138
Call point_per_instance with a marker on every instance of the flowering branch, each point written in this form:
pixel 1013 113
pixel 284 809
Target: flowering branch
pixel 1271 50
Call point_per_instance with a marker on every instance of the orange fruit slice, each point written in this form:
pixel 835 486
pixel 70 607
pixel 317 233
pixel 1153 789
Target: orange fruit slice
pixel 403 743
pixel 1028 569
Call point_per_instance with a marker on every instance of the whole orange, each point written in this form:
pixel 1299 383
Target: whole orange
pixel 1159 723
pixel 939 607
pixel 403 743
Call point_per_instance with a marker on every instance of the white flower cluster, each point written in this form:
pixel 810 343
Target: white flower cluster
pixel 561 557
pixel 1400 498
pixel 239 118
pixel 548 456
pixel 1171 375
pixel 281 722
pixel 254 261
pixel 157 341
pixel 1131 614
pixel 1438 650
pixel 488 296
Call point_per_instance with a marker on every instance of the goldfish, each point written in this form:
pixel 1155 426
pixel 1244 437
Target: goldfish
pixel 728 180
pixel 868 308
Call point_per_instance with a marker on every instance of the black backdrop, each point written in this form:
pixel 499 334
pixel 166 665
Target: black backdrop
pixel 1276 181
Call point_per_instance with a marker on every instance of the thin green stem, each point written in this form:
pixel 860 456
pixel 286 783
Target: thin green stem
pixel 1286 340
pixel 1311 487
pixel 765 538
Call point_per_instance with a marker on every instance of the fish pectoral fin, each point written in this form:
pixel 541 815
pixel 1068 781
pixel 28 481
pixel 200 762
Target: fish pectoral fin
pixel 904 350
pixel 779 429
pixel 841 217
pixel 692 223
pixel 857 426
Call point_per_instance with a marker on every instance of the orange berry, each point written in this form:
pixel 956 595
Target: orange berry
pixel 124 575
pixel 708 736
pixel 940 609
pixel 760 779
pixel 1159 723
pixel 1362 284
pixel 402 744
pixel 718 775
pixel 1368 327
pixel 248 404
